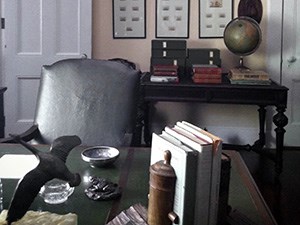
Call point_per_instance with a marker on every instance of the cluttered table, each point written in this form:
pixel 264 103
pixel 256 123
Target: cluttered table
pixel 131 172
pixel 223 93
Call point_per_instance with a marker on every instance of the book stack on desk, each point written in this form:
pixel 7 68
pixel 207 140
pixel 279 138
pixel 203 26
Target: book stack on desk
pixel 164 73
pixel 206 74
pixel 202 56
pixel 168 53
pixel 196 159
pixel 248 77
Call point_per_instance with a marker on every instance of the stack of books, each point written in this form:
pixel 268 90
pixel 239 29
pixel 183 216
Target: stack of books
pixel 196 159
pixel 134 215
pixel 168 52
pixel 164 73
pixel 248 77
pixel 206 74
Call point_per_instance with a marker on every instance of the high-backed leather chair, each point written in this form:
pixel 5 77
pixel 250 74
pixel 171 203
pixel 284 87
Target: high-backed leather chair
pixel 94 99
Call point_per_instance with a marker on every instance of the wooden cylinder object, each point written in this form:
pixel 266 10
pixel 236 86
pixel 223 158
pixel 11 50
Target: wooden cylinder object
pixel 161 192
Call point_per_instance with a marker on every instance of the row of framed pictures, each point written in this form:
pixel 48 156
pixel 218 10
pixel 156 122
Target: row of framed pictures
pixel 172 18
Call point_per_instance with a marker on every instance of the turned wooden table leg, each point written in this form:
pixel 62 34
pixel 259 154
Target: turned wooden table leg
pixel 147 135
pixel 280 120
pixel 262 120
pixel 260 143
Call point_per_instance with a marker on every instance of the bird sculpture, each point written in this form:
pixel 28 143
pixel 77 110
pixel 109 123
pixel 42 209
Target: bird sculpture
pixel 51 165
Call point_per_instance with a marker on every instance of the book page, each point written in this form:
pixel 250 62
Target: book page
pixel 194 130
pixel 15 166
pixel 216 171
pixel 184 138
pixel 204 176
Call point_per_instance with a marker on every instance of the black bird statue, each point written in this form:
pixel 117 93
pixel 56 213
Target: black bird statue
pixel 51 165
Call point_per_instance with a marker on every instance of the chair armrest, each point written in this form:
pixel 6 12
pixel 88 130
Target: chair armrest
pixel 28 135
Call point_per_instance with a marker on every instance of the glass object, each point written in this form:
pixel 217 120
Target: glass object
pixel 56 191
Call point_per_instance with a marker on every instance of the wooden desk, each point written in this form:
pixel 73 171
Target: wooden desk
pixel 131 171
pixel 224 93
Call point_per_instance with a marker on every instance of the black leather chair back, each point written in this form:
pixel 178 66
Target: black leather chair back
pixel 94 99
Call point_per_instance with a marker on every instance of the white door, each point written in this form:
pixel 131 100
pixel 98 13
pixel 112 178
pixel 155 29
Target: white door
pixel 284 59
pixel 291 69
pixel 38 32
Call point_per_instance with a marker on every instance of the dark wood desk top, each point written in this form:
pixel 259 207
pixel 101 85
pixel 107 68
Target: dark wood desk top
pixel 131 171
pixel 225 92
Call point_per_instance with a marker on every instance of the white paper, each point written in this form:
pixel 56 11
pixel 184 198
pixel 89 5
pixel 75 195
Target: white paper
pixel 15 166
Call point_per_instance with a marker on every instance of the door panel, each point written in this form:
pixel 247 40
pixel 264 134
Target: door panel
pixel 291 69
pixel 38 32
pixel 68 40
pixel 283 54
pixel 28 28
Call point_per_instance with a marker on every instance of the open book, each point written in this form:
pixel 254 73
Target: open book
pixel 196 159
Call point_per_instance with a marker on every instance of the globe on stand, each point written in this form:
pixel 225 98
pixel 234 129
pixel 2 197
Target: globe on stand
pixel 242 36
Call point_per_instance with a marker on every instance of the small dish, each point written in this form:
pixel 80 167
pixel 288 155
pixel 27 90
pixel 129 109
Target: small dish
pixel 100 156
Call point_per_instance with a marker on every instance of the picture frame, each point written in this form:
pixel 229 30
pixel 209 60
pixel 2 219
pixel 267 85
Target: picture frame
pixel 129 19
pixel 214 15
pixel 172 19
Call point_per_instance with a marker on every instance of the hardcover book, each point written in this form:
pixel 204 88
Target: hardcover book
pixel 216 168
pixel 169 79
pixel 164 73
pixel 203 74
pixel 247 74
pixel 207 70
pixel 207 80
pixel 184 188
pixel 207 76
pixel 196 163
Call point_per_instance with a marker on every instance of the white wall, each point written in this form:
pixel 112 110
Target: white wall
pixel 234 123
pixel 139 50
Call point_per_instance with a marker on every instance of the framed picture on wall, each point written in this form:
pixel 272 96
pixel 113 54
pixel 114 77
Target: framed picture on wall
pixel 129 19
pixel 172 19
pixel 214 16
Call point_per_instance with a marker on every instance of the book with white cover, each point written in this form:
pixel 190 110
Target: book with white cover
pixel 203 145
pixel 184 162
pixel 216 167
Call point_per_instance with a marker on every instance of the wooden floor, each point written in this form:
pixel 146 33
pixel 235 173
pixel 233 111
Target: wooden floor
pixel 283 195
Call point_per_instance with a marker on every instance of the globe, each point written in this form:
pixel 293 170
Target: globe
pixel 242 36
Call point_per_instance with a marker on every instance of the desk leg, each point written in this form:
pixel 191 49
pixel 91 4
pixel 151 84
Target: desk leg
pixel 259 144
pixel 280 120
pixel 147 137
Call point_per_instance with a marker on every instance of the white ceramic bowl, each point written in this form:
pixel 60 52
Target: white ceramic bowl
pixel 100 156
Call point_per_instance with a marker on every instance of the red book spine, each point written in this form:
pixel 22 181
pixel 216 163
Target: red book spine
pixel 165 73
pixel 207 81
pixel 207 70
pixel 165 67
pixel 207 76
